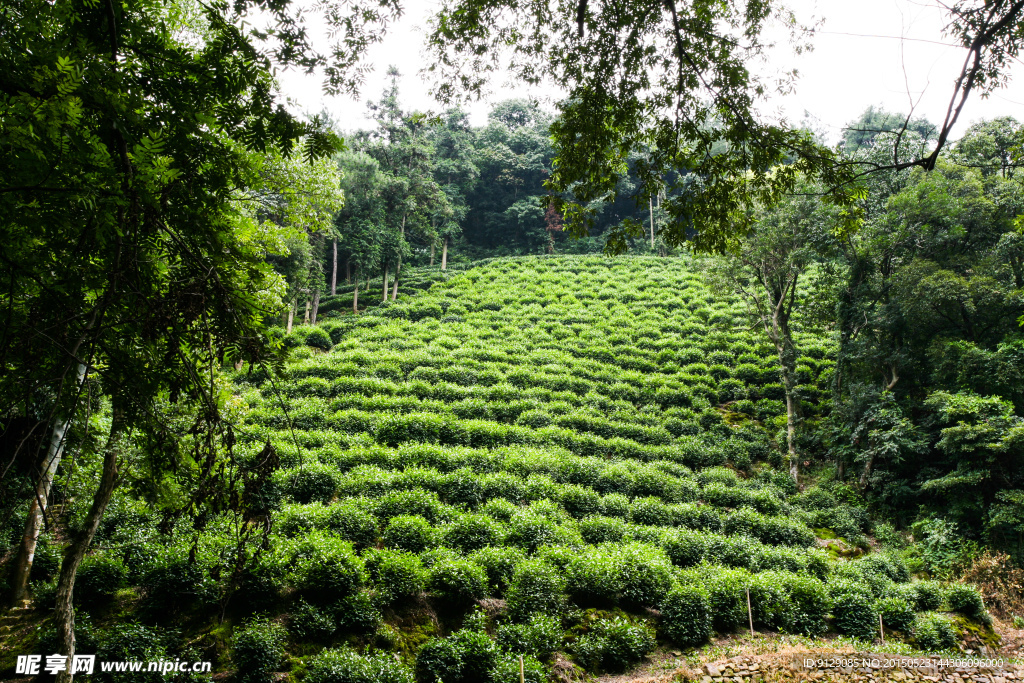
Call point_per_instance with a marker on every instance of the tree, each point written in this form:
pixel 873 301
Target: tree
pixel 402 146
pixel 863 131
pixel 128 258
pixel 766 272
pixel 991 146
pixel 663 77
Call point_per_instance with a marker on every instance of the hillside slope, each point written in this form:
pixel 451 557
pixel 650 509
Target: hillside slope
pixel 568 459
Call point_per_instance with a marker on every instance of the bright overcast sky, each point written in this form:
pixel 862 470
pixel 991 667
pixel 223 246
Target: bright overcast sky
pixel 859 59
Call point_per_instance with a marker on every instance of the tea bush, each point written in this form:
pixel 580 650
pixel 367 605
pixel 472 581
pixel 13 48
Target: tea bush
pixel 967 601
pixel 457 582
pixel 325 567
pixel 396 575
pixel 463 657
pixel 257 650
pixel 613 645
pixel 686 616
pixel 933 631
pixel 536 586
pixel 343 665
pixel 896 613
pixel 539 636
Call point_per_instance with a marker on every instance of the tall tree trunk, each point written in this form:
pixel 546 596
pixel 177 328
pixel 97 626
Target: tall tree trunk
pixel 37 508
pixel 64 613
pixel 355 297
pixel 433 246
pixel 794 411
pixel 398 269
pixel 348 272
pixel 316 306
pixel 305 317
pixel 444 254
pixel 291 313
pixel 334 269
pixel 385 298
pixel 650 205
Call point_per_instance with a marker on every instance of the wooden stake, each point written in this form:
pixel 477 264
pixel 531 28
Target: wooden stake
pixel 881 629
pixel 750 614
pixel 522 670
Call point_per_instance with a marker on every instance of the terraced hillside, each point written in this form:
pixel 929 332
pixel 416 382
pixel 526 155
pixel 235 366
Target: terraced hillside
pixel 566 459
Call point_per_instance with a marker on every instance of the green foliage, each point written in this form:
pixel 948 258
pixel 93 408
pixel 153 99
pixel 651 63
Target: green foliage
pixel 396 575
pixel 472 532
pixel 500 563
pixel 409 532
pixel 536 586
pixel 539 636
pixel 310 622
pixel 457 582
pixel 98 578
pixel 686 616
pixel 613 645
pixel 463 657
pixel 342 665
pixel 855 614
pixel 310 483
pixel 967 601
pixel 507 670
pixel 135 642
pixel 257 650
pixel 896 613
pixel 934 631
pixel 325 568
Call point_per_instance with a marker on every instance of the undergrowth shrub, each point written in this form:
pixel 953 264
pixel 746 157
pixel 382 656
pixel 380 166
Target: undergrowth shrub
pixel 507 670
pixel 325 567
pixel 471 532
pixel 500 563
pixel 854 611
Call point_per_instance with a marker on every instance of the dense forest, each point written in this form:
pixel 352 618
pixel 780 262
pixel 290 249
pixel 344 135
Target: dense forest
pixel 572 393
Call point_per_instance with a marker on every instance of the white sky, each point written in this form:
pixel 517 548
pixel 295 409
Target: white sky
pixel 858 60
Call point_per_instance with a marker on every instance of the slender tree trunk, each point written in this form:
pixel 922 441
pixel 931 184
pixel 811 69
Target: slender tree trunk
pixel 355 297
pixel 37 508
pixel 433 245
pixel 291 313
pixel 650 205
pixel 398 269
pixel 348 272
pixel 64 613
pixel 385 281
pixel 444 254
pixel 794 412
pixel 316 306
pixel 305 317
pixel 334 269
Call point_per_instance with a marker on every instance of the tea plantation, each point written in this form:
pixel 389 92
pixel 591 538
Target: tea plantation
pixel 568 459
